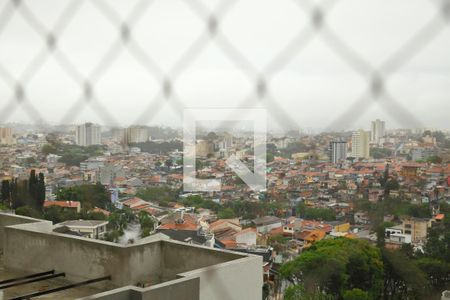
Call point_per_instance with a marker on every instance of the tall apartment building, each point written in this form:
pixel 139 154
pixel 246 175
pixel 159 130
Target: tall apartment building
pixel 88 134
pixel 227 141
pixel 6 136
pixel 377 130
pixel 337 151
pixel 132 134
pixel 137 134
pixel 119 134
pixel 360 144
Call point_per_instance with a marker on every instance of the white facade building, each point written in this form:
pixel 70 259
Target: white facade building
pixel 6 136
pixel 378 130
pixel 337 151
pixel 360 144
pixel 137 134
pixel 88 134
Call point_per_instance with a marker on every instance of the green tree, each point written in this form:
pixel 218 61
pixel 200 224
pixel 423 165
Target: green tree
pixel 438 243
pixel 437 272
pixel 113 236
pixel 53 213
pixel 28 212
pixel 278 242
pixel 312 213
pixel 434 159
pixel 158 194
pixel 168 163
pixel 36 189
pixel 147 223
pixel 6 192
pixel 14 194
pixel 119 219
pixel 378 153
pixel 90 195
pixel 298 292
pixel 356 294
pixel 295 147
pixel 226 213
pixel 333 266
pixel 392 184
pixel 49 149
pixel 21 195
pixel 40 191
pixel 402 277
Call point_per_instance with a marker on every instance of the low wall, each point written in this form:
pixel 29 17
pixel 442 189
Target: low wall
pixel 80 258
pixel 175 270
pixel 183 289
pixel 237 279
pixel 180 289
pixel 179 257
pixel 7 219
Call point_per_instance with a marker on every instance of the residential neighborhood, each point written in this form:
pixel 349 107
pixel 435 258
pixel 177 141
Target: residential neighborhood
pixel 124 193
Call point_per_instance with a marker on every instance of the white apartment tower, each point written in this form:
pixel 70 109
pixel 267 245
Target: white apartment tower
pixel 137 134
pixel 6 136
pixel 88 134
pixel 360 144
pixel 227 141
pixel 337 151
pixel 377 130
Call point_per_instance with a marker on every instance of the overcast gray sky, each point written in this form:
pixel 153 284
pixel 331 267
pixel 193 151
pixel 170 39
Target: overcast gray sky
pixel 314 87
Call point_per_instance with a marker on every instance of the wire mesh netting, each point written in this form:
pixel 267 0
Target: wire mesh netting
pixel 140 62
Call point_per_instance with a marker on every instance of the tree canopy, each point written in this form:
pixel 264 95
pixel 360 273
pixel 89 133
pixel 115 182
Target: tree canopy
pixel 312 213
pixel 31 192
pixel 90 195
pixel 335 266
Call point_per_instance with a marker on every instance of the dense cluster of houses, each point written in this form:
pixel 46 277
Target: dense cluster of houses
pixel 306 179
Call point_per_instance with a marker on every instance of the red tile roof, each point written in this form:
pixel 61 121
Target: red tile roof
pixel 178 226
pixel 69 204
pixel 439 216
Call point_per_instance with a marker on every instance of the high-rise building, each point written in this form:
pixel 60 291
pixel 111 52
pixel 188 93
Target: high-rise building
pixel 227 141
pixel 6 136
pixel 137 134
pixel 337 151
pixel 88 134
pixel 132 134
pixel 360 144
pixel 119 134
pixel 377 130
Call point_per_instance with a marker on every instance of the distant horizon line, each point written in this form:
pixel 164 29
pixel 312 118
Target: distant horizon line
pixel 307 130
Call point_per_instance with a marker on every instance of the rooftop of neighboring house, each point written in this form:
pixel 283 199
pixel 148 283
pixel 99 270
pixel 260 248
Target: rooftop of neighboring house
pixel 439 217
pixel 224 223
pixel 187 236
pixel 266 220
pixel 69 204
pixel 83 223
pixel 100 210
pixel 133 202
